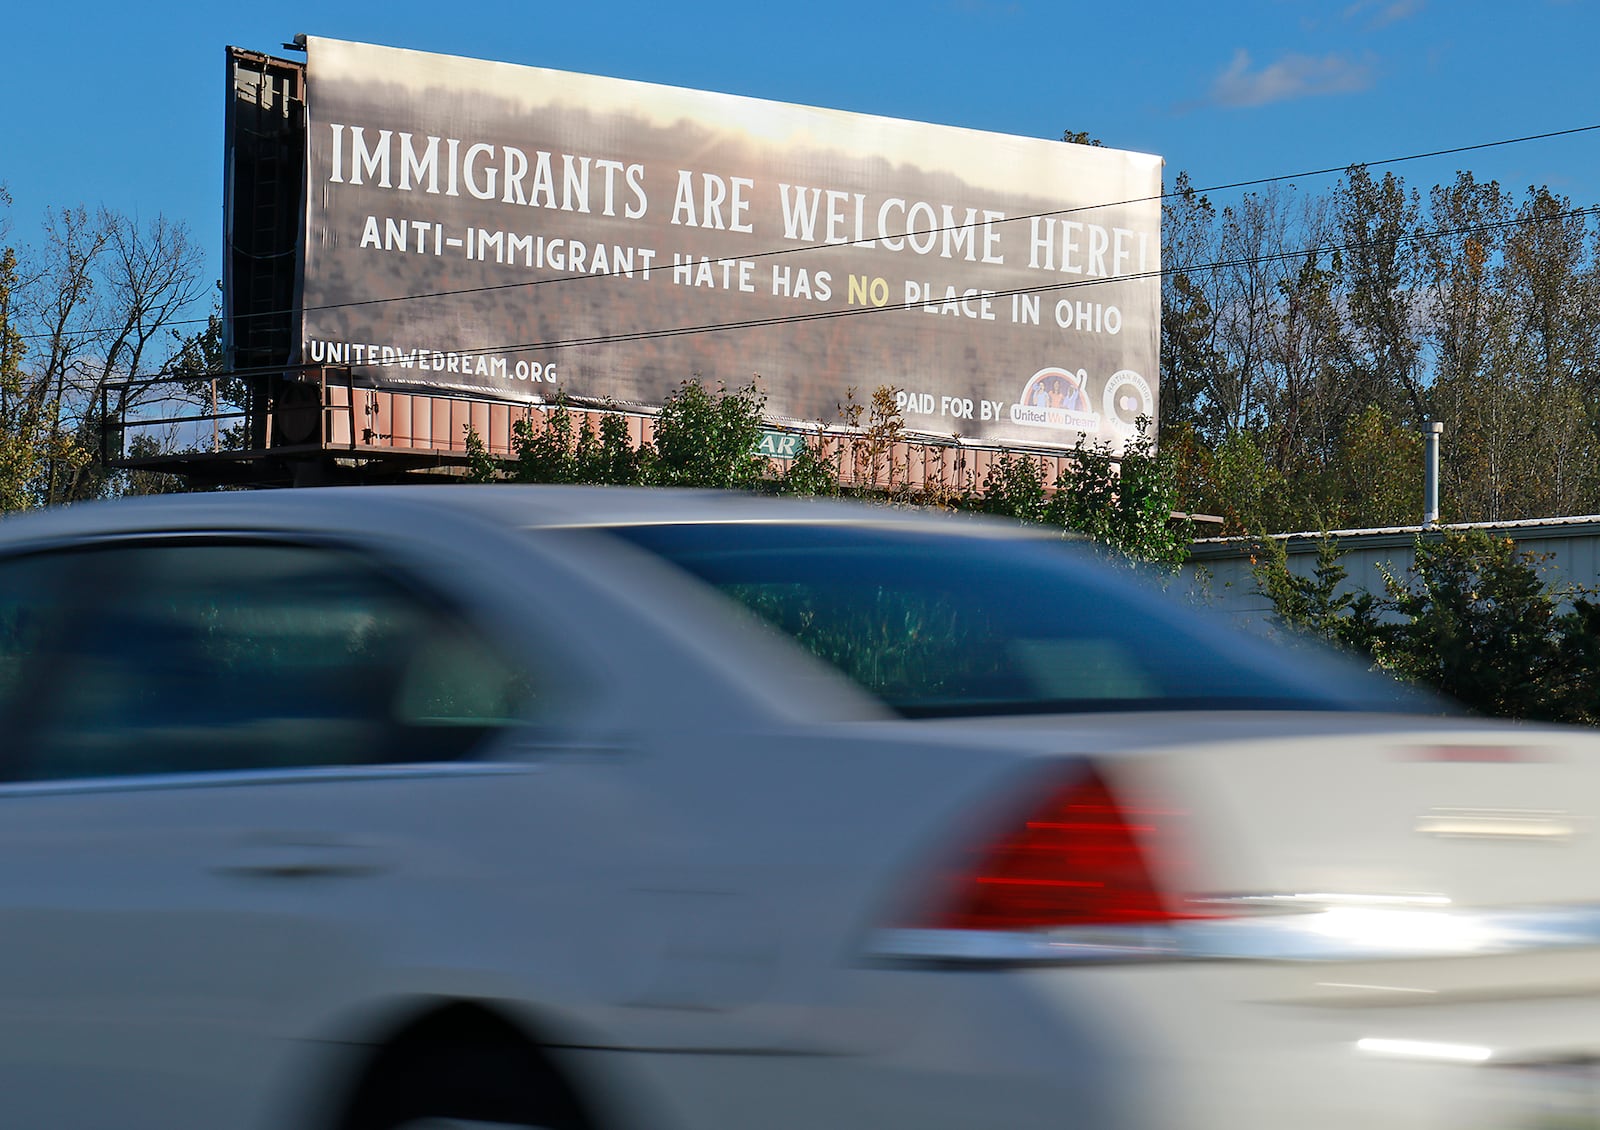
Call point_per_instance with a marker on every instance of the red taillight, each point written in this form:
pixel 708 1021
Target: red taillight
pixel 1078 859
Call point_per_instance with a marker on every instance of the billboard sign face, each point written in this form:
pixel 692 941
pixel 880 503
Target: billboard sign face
pixel 512 232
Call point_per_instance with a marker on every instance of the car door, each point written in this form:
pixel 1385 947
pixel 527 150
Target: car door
pixel 239 784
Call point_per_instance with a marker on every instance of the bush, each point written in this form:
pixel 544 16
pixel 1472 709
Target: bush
pixel 1471 619
pixel 708 438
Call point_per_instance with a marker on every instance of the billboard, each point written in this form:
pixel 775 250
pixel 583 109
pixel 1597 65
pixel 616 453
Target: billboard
pixel 512 232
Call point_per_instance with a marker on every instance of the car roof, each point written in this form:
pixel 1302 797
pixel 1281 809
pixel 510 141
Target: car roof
pixel 505 505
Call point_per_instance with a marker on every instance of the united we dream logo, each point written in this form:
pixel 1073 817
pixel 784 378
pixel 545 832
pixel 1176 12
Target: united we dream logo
pixel 1057 398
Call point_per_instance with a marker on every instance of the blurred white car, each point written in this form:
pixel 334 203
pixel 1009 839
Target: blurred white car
pixel 621 810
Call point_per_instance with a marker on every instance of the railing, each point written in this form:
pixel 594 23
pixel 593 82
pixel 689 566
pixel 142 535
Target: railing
pixel 321 413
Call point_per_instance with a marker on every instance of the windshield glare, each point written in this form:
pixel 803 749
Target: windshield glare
pixel 950 624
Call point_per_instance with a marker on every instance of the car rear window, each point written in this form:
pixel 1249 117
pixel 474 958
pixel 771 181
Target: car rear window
pixel 956 624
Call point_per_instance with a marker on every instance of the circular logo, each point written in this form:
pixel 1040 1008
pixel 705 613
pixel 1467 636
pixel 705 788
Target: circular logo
pixel 1127 398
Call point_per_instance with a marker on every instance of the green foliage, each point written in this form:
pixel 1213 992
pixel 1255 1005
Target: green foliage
pixel 1476 623
pixel 561 449
pixel 1327 328
pixel 1373 478
pixel 18 444
pixel 1192 353
pixel 708 439
pixel 1233 481
pixel 1244 488
pixel 703 438
pixel 1079 137
pixel 811 472
pixel 1124 502
pixel 1578 658
pixel 546 452
pixel 1379 476
pixel 1315 606
pixel 1471 619
pixel 611 457
pixel 30 441
pixel 1015 488
pixel 481 467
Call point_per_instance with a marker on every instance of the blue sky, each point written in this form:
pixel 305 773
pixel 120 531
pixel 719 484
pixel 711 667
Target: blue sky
pixel 121 105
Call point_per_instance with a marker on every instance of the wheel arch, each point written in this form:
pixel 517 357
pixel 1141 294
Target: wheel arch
pixel 388 1041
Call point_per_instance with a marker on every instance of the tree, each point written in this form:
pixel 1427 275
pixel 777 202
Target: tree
pixel 1233 481
pixel 149 278
pixel 1015 488
pixel 1471 619
pixel 60 302
pixel 1477 624
pixel 23 421
pixel 1377 475
pixel 559 449
pixel 1300 329
pixel 1546 280
pixel 1578 658
pixel 1124 502
pixel 1378 223
pixel 98 300
pixel 1305 405
pixel 1464 310
pixel 29 437
pixel 1190 356
pixel 1318 606
pixel 703 438
pixel 875 454
pixel 708 439
pixel 200 368
pixel 814 470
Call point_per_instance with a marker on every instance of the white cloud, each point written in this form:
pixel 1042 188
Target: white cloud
pixel 1293 76
pixel 1383 12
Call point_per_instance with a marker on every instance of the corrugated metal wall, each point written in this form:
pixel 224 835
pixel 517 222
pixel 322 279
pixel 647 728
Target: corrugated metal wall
pixel 1221 580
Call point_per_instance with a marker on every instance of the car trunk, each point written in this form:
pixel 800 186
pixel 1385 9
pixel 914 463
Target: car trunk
pixel 1376 848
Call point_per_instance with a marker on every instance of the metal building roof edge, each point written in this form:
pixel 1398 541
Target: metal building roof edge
pixel 1387 537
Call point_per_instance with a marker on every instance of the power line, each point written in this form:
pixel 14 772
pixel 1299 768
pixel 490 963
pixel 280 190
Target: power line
pixel 1291 255
pixel 528 283
pixel 493 287
pixel 1401 160
pixel 1070 284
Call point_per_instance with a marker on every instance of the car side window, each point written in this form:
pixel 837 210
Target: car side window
pixel 27 634
pixel 189 657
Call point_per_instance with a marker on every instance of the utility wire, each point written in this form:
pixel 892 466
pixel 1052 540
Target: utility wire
pixel 1291 255
pixel 527 283
pixel 492 287
pixel 1070 284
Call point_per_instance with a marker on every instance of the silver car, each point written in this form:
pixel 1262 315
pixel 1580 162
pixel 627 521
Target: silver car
pixel 625 810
